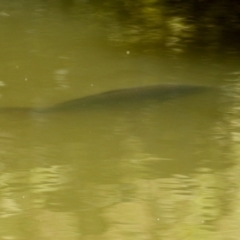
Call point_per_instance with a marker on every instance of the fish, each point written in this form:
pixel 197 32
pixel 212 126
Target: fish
pixel 120 97
pixel 142 94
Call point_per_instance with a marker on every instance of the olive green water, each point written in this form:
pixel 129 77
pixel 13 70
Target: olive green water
pixel 158 170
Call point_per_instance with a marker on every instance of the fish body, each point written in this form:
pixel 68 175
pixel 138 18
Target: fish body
pixel 120 97
pixel 131 95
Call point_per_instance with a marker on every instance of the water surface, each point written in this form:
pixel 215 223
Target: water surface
pixel 154 170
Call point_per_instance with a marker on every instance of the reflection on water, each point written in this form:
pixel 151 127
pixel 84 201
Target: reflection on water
pixel 155 170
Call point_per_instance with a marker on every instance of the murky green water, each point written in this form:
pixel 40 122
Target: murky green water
pixel 160 170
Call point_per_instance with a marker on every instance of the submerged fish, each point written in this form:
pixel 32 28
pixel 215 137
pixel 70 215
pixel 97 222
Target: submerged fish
pixel 119 97
pixel 132 95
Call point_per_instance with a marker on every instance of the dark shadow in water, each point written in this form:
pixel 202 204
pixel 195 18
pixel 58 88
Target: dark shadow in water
pixel 118 98
pixel 131 96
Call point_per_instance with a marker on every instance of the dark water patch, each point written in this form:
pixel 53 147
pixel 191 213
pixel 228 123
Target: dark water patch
pixel 116 98
pixel 135 95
